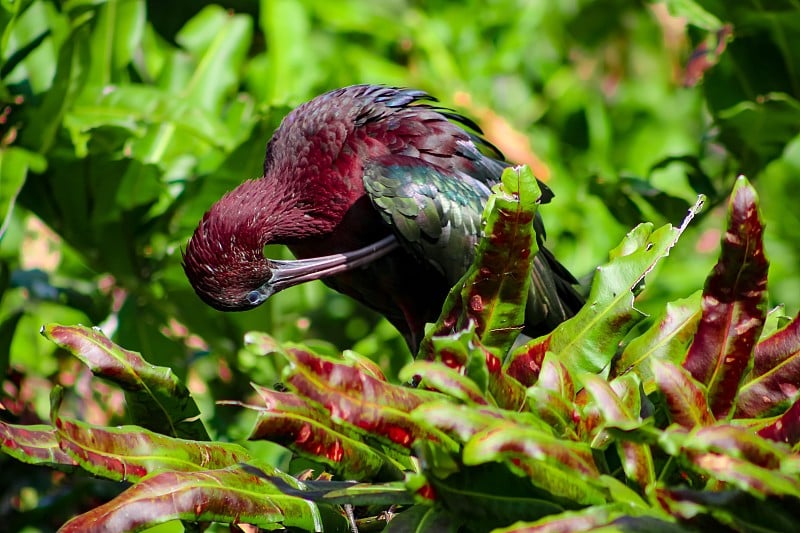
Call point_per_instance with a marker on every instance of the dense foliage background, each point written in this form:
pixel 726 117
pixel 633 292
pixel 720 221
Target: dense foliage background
pixel 123 121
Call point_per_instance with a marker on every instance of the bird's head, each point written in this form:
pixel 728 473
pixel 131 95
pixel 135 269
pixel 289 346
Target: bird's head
pixel 225 263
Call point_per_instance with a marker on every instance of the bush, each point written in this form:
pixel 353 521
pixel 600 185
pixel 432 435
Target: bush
pixel 122 124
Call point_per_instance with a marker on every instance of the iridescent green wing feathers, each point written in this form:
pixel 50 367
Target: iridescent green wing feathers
pixel 436 217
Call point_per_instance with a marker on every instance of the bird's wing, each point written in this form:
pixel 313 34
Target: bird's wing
pixel 436 216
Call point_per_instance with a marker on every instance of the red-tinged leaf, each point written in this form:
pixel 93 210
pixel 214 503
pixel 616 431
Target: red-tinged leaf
pixel 236 495
pixel 771 392
pixel 555 376
pixel 668 338
pixel 731 510
pixel 506 391
pixel 734 305
pixel 463 422
pixel 372 415
pixel 344 456
pixel 286 402
pixel 36 444
pixel 637 463
pixel 463 352
pixel 557 412
pixel 589 421
pixel 777 348
pixel 706 55
pixel 439 378
pixel 739 442
pixel 525 363
pixel 528 448
pixel 365 364
pixel 351 381
pixel 156 398
pixel 774 382
pixel 786 428
pixel 685 398
pixel 746 476
pixel 131 452
pixel 619 410
pixel 589 340
pixel 493 292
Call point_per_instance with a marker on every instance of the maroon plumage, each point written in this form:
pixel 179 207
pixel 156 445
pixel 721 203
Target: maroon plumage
pixel 378 191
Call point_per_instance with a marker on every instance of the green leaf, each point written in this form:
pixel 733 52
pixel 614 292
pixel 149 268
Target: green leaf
pixel 116 35
pixel 758 131
pixel 442 379
pixel 668 338
pixel 157 399
pixel 560 467
pixel 14 166
pixel 589 340
pixel 219 41
pixel 694 13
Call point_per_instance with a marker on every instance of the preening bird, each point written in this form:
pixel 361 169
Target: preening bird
pixel 379 193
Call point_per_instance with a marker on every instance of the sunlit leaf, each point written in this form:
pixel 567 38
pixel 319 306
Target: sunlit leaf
pixel 493 292
pixel 684 396
pixel 234 495
pixel 668 338
pixel 734 305
pixel 589 340
pixel 34 444
pixel 156 398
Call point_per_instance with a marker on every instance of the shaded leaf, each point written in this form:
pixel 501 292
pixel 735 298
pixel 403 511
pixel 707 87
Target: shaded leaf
pixel 734 509
pixel 487 495
pixel 734 305
pixel 15 163
pixel 423 519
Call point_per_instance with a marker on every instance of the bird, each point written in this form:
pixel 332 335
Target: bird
pixel 378 191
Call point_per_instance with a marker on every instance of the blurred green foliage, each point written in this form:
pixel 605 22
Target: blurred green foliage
pixel 124 120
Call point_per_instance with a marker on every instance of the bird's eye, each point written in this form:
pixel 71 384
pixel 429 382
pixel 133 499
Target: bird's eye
pixel 253 297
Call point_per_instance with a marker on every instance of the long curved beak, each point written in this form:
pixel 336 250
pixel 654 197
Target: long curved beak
pixel 292 272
